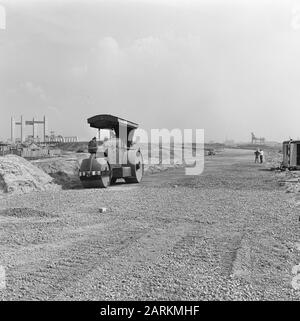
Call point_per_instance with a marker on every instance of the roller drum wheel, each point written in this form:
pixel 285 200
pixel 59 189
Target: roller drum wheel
pixel 99 181
pixel 104 180
pixel 136 163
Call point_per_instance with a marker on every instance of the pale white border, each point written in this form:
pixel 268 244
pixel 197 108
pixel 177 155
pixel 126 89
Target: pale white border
pixel 2 17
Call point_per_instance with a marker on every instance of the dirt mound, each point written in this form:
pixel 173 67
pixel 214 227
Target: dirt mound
pixel 63 170
pixel 17 175
pixel 73 147
pixel 22 212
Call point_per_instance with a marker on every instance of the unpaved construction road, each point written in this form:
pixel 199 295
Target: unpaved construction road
pixel 230 233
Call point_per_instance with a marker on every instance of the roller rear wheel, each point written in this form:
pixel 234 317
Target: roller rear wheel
pixel 135 159
pixel 113 180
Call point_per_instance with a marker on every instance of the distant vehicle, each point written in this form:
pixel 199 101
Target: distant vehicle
pixel 291 154
pixel 102 168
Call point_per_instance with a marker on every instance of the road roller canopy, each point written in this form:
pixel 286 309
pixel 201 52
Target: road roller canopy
pixel 113 122
pixel 110 122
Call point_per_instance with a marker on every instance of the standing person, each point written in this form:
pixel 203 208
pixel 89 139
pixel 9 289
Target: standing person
pixel 256 153
pixel 92 146
pixel 261 156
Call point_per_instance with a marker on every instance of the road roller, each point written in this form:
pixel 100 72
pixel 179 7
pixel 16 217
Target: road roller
pixel 113 158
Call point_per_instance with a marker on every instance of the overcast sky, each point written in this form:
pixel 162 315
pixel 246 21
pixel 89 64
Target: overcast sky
pixel 229 67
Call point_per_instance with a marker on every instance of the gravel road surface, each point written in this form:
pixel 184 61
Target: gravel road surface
pixel 230 233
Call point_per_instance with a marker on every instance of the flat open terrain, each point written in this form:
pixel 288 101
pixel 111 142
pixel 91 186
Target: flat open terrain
pixel 230 233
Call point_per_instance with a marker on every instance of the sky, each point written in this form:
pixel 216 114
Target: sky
pixel 229 67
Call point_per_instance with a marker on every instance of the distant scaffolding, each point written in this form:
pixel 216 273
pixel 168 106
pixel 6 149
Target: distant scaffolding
pixel 22 123
pixel 257 140
pixel 33 137
pixel 61 139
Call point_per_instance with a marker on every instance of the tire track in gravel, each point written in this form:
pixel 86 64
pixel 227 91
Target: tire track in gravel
pixel 70 264
pixel 141 254
pixel 78 259
pixel 23 256
pixel 230 245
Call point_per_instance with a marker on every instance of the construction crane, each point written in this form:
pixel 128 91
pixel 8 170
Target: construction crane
pixel 257 140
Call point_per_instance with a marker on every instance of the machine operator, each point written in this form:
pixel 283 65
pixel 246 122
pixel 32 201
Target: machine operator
pixel 93 146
